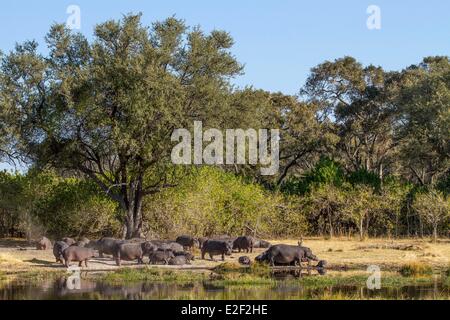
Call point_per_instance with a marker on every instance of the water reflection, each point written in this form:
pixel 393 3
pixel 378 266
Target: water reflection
pixel 282 290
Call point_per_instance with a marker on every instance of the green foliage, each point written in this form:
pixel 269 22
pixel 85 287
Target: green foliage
pixel 364 177
pixel 361 148
pixel 326 172
pixel 18 197
pixel 211 202
pixel 77 208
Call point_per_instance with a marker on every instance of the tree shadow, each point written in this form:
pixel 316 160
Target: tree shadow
pixel 16 243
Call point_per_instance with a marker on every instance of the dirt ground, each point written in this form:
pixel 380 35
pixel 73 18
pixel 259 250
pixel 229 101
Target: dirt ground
pixel 17 256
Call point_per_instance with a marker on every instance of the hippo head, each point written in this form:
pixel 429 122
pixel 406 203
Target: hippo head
pixel 262 257
pixel 310 256
pixel 148 247
pixel 322 264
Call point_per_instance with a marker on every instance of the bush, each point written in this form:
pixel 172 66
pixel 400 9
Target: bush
pixel 415 269
pixel 211 202
pixel 77 208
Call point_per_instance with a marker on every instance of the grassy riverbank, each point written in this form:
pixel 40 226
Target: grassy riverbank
pixel 343 254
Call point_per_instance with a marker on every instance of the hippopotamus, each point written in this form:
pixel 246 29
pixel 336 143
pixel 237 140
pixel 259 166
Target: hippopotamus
pixel 189 256
pixel 322 264
pixel 129 252
pixel 82 242
pixel 243 243
pixel 263 257
pixel 161 257
pixel 168 245
pixel 69 241
pixel 179 261
pixel 149 247
pixel 107 246
pixel 282 254
pixel 58 249
pixel 216 247
pixel 201 241
pixel 44 244
pixel 79 254
pixel 136 240
pixel 258 243
pixel 187 242
pixel 245 261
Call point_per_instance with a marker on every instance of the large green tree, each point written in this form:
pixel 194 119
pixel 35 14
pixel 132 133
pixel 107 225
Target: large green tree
pixel 424 121
pixel 107 108
pixel 357 100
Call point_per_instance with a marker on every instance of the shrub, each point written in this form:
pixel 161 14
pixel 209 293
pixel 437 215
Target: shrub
pixel 415 269
pixel 77 208
pixel 210 201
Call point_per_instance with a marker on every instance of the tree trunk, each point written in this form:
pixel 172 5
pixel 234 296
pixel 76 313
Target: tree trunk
pixel 435 234
pixel 330 221
pixel 361 229
pixel 133 218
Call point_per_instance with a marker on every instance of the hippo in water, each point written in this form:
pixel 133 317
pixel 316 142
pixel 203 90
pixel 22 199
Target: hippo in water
pixel 58 250
pixel 44 244
pixel 78 254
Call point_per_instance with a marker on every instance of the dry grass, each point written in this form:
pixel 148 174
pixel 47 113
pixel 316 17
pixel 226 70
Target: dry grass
pixel 413 269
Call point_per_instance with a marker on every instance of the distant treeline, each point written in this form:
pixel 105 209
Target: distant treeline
pixel 363 150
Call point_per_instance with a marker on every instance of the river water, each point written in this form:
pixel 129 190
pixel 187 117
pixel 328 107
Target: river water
pixel 59 289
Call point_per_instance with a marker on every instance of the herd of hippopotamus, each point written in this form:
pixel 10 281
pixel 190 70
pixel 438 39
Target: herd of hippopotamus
pixel 178 252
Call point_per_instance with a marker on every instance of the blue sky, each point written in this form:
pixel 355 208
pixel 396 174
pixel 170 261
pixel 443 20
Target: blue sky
pixel 278 41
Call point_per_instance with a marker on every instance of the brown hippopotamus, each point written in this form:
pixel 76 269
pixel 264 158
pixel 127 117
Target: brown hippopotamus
pixel 44 244
pixel 130 252
pixel 78 254
pixel 69 241
pixel 82 242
